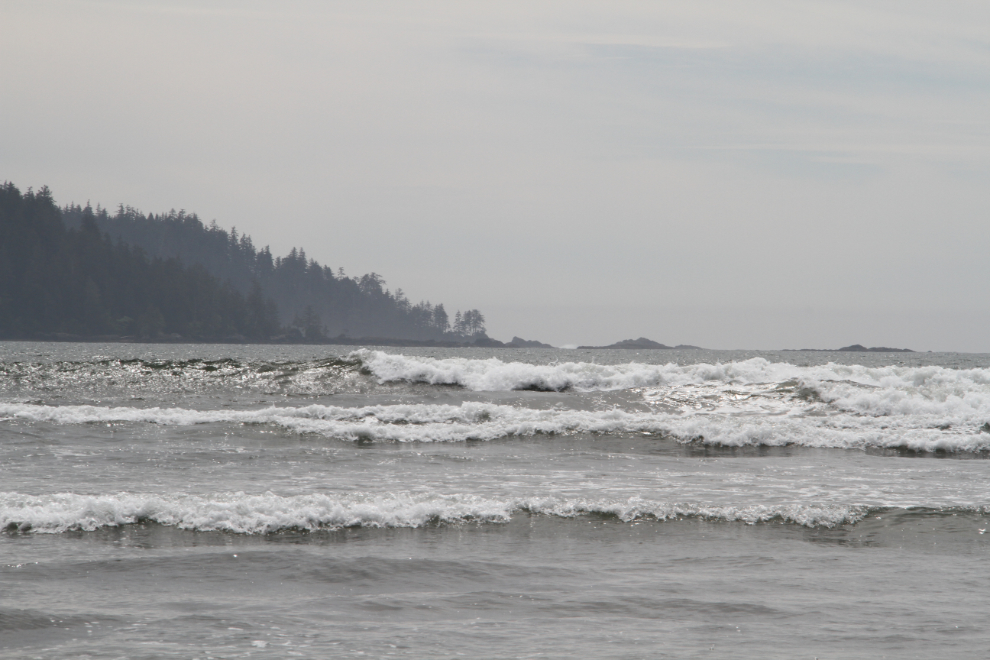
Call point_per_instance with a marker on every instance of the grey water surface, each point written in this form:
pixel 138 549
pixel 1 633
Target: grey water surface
pixel 195 501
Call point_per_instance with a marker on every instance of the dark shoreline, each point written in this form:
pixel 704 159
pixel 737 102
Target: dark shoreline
pixel 485 342
pixel 328 341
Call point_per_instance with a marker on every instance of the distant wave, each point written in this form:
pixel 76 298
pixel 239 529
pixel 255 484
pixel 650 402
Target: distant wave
pixel 485 421
pixel 867 390
pixel 746 403
pixel 156 377
pixel 267 513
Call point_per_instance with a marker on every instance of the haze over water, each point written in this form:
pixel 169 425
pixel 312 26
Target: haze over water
pixel 271 501
pixel 769 174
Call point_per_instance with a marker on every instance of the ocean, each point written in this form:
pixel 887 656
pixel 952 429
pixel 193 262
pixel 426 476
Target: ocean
pixel 226 501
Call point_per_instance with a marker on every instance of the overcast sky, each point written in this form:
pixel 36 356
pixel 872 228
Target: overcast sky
pixel 727 174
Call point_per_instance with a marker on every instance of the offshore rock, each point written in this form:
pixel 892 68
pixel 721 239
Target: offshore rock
pixel 640 343
pixel 875 349
pixel 518 342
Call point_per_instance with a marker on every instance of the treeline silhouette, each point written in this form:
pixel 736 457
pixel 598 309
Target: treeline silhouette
pixel 74 271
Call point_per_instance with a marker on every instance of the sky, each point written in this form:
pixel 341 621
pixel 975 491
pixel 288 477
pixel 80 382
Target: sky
pixel 726 174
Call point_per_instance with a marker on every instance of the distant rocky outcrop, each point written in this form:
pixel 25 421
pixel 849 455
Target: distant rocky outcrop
pixel 875 349
pixel 858 348
pixel 518 342
pixel 641 343
pixel 487 342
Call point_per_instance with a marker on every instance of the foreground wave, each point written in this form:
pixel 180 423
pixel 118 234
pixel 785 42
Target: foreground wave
pixel 268 513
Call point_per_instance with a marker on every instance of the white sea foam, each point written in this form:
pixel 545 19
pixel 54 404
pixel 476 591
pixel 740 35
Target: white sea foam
pixel 940 396
pixel 265 513
pixel 752 402
pixel 724 426
pixel 495 375
pixel 397 423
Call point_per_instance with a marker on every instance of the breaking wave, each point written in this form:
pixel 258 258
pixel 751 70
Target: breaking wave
pixel 876 391
pixel 744 403
pixel 495 375
pixel 488 421
pixel 267 513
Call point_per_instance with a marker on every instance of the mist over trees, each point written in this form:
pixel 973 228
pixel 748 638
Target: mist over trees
pixel 79 271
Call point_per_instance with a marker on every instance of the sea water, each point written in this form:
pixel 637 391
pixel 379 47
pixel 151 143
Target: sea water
pixel 193 501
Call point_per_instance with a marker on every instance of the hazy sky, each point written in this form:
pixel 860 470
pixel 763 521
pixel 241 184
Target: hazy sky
pixel 729 174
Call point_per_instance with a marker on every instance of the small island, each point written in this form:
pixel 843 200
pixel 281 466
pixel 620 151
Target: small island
pixel 642 343
pixel 855 348
pixel 518 342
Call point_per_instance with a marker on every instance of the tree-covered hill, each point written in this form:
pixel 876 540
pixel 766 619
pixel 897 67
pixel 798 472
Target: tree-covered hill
pixel 76 271
pixel 76 282
pixel 310 296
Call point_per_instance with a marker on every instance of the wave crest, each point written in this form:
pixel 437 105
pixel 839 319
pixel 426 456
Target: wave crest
pixel 487 421
pixel 268 513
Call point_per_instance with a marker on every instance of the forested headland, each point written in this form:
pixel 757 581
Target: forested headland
pixel 75 272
